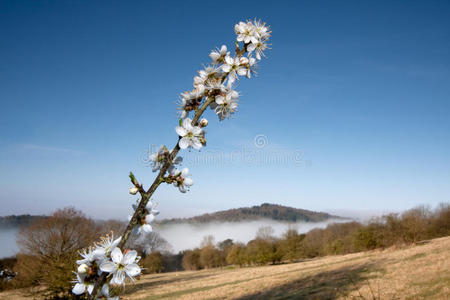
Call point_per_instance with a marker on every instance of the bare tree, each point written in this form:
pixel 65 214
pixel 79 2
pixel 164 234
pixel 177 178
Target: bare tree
pixel 49 248
pixel 265 233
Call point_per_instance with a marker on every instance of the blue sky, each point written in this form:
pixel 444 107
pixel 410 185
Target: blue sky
pixel 353 101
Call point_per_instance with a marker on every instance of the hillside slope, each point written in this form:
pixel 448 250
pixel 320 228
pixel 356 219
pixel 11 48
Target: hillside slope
pixel 416 272
pixel 266 210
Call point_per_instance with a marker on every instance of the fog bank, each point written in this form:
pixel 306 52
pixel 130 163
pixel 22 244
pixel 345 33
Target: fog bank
pixel 8 245
pixel 188 236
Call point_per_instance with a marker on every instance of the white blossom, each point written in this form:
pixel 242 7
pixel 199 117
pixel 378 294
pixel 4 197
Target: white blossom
pixel 106 246
pixel 182 181
pixel 203 77
pixel 105 293
pixel 251 66
pixel 255 35
pixel 183 114
pixel 144 225
pixel 261 30
pixel 82 286
pixel 246 32
pixel 83 269
pixel 88 257
pixel 215 86
pixel 258 48
pixel 121 266
pixel 234 67
pixel 134 190
pixel 196 94
pixel 150 208
pixel 190 135
pixel 158 159
pixel 149 213
pixel 190 100
pixel 226 105
pixel 218 56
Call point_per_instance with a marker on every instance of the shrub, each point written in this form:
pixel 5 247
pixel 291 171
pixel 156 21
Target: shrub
pixel 210 257
pixel 153 263
pixel 191 260
pixel 236 256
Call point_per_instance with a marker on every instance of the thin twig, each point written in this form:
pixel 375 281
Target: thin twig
pixel 146 195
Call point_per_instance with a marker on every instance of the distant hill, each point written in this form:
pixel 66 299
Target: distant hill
pixel 263 211
pixel 9 222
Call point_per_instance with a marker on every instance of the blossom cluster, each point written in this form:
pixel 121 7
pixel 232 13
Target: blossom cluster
pixel 213 87
pixel 106 257
pixel 146 217
pixel 215 82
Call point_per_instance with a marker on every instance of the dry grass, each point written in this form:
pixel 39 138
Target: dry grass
pixel 416 272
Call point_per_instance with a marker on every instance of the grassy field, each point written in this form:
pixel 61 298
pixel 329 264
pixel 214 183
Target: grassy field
pixel 415 272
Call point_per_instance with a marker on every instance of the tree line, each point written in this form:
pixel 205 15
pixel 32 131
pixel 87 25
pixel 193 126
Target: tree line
pixel 412 226
pixel 258 212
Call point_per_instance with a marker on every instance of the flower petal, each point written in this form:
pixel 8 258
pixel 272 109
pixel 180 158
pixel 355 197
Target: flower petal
pixel 220 99
pixel 229 60
pixel 132 269
pixel 188 181
pixel 149 218
pixel 99 253
pixel 223 50
pixel 187 123
pixel 147 228
pixel 214 55
pixel 196 144
pixel 118 277
pixel 115 243
pixel 78 289
pixel 184 143
pixel 180 131
pixel 90 288
pixel 196 130
pixel 116 255
pixel 130 257
pixel 108 267
pixel 242 71
pixel 226 68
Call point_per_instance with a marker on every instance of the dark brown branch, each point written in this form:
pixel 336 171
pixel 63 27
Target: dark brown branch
pixel 145 197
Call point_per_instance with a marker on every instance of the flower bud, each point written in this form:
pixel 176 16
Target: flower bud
pixel 83 269
pixel 134 190
pixel 203 122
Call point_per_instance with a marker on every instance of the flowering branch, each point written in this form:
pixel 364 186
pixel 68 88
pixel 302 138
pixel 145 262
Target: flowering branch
pixel 105 265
